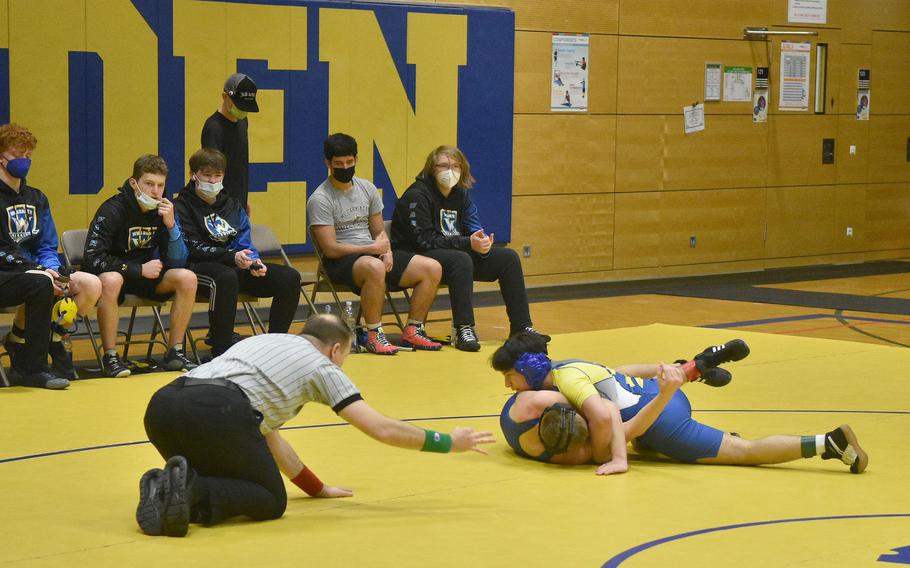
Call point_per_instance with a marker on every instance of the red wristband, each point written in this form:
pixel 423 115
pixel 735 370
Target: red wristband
pixel 308 481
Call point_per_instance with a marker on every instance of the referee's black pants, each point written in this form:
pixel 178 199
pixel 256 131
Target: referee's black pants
pixel 217 431
pixel 281 283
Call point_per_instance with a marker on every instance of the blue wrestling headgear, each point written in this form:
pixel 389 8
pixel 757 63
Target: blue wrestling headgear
pixel 534 367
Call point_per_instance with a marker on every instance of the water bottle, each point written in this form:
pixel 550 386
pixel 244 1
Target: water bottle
pixel 351 321
pixel 327 308
pixel 67 343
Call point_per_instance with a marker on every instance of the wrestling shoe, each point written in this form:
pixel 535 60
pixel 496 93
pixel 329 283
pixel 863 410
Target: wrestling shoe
pixel 378 344
pixel 152 492
pixel 530 329
pixel 113 366
pixel 43 380
pixel 841 443
pixel 175 360
pixel 717 355
pixel 715 377
pixel 415 336
pixel 464 338
pixel 175 517
pixel 61 360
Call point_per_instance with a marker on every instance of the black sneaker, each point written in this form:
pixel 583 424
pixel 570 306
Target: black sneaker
pixel 176 514
pixel 44 380
pixel 841 443
pixel 113 366
pixel 464 338
pixel 61 360
pixel 153 488
pixel 715 377
pixel 530 329
pixel 175 360
pixel 717 355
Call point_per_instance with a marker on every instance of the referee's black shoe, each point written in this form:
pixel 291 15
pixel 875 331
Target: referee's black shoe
pixel 152 492
pixel 176 517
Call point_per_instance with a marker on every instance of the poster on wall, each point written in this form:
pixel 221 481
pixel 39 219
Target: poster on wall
pixel 863 98
pixel 694 118
pixel 737 84
pixel 807 11
pixel 794 76
pixel 569 80
pixel 760 106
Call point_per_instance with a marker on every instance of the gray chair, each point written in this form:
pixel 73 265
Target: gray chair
pixel 73 243
pixel 266 242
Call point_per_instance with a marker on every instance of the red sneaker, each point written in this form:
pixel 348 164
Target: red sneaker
pixel 416 336
pixel 378 344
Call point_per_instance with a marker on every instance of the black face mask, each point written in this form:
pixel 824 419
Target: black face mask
pixel 344 175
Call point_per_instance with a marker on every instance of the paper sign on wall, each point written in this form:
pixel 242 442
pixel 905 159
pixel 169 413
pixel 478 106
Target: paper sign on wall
pixel 807 11
pixel 694 117
pixel 737 84
pixel 569 80
pixel 794 75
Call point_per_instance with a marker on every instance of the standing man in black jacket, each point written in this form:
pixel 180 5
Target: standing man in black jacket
pixel 436 218
pixel 227 131
pixel 129 233
pixel 223 256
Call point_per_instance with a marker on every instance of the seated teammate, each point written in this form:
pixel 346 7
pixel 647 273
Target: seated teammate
pixel 221 252
pixel 656 414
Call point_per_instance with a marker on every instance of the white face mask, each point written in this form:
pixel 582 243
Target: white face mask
pixel 209 190
pixel 447 178
pixel 146 202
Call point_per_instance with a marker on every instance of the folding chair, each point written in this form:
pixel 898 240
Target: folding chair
pixel 3 352
pixel 73 243
pixel 266 242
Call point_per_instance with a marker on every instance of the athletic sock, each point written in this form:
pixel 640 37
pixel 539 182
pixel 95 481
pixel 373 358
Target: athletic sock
pixel 373 326
pixel 811 446
pixel 414 322
pixel 16 334
pixel 110 351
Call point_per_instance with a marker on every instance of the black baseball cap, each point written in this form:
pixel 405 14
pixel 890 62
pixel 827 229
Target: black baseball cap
pixel 242 91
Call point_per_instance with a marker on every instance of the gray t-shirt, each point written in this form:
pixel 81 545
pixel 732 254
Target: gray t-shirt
pixel 348 211
pixel 279 374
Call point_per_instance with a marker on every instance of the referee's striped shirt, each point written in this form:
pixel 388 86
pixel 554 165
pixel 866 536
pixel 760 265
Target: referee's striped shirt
pixel 279 374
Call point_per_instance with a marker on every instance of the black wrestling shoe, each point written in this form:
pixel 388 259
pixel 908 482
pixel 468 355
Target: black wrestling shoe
pixel 841 443
pixel 175 360
pixel 530 329
pixel 715 377
pixel 152 491
pixel 113 366
pixel 176 512
pixel 464 338
pixel 717 355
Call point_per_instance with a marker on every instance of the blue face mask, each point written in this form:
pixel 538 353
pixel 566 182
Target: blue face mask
pixel 18 168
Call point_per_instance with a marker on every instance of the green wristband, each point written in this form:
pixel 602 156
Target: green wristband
pixel 437 442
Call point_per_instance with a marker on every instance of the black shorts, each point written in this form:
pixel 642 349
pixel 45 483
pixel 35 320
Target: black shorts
pixel 144 288
pixel 342 269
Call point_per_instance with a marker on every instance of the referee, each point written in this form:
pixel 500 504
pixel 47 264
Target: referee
pixel 218 429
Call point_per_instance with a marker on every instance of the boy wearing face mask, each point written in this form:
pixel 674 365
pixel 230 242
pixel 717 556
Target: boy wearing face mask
pixel 227 131
pixel 217 233
pixel 435 217
pixel 345 218
pixel 30 269
pixel 136 246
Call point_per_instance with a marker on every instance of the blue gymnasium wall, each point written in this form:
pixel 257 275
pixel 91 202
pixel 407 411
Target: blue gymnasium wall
pixel 100 82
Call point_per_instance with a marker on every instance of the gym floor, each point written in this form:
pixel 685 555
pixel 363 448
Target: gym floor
pixel 70 461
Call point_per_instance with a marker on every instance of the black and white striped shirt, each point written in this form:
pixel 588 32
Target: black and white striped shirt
pixel 279 374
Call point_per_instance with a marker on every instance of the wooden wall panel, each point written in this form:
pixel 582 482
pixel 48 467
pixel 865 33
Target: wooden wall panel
pixel 567 233
pixel 833 103
pixel 564 154
pixel 889 14
pixel 890 73
pixel 637 230
pixel 851 132
pixel 661 75
pixel 795 149
pixel 801 221
pixel 888 216
pixel 653 152
pixel 533 68
pixel 858 16
pixel 888 148
pixel 694 18
pixel 653 229
pixel 575 16
pixel 728 225
pixel 836 13
pixel 850 212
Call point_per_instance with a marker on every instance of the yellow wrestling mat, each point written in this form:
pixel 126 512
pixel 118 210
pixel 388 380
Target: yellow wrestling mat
pixel 70 464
